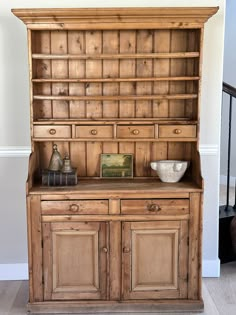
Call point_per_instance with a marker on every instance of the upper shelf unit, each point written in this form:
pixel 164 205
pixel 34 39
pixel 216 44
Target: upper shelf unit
pixel 86 74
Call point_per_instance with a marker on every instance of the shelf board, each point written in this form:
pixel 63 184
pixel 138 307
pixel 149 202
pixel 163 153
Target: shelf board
pixel 149 79
pixel 114 97
pixel 193 54
pixel 120 186
pixel 133 139
pixel 118 121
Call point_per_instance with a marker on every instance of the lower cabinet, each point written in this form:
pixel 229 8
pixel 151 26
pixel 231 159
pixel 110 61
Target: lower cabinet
pixel 155 259
pixel 75 260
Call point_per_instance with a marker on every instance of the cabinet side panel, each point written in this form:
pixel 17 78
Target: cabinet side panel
pixel 36 246
pixel 183 260
pixel 194 251
pixel 47 261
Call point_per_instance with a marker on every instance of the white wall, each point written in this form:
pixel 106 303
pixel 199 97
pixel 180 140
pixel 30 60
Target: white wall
pixel 229 76
pixel 14 124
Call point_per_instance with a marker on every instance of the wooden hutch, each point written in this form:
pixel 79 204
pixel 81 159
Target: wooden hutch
pixel 117 80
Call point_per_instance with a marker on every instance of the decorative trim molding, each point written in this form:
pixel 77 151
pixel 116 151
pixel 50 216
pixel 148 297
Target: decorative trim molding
pixel 21 151
pixel 211 268
pixel 14 271
pixel 11 151
pixel 209 149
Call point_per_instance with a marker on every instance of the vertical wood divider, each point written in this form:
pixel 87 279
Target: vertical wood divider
pixel 194 239
pixel 36 247
pixel 115 260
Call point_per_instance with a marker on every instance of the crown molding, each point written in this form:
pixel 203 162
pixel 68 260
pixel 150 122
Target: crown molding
pixel 115 18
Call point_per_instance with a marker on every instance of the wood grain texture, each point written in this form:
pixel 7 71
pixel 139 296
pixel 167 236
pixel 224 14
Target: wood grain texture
pixel 121 80
pixel 115 261
pixel 36 250
pixel 194 250
pixel 111 17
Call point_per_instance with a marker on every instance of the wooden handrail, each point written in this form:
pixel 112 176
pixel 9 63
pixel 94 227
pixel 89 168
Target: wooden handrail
pixel 229 89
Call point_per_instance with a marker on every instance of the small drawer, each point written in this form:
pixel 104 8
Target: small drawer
pixel 75 207
pixel 135 131
pixel 52 131
pixel 155 206
pixel 94 131
pixel 177 131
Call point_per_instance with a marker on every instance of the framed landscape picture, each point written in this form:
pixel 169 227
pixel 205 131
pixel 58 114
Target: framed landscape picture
pixel 116 166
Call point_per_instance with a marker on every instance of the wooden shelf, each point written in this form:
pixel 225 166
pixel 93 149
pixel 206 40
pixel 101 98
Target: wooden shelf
pixel 115 120
pixel 193 54
pixel 140 79
pixel 115 139
pixel 114 97
pixel 122 186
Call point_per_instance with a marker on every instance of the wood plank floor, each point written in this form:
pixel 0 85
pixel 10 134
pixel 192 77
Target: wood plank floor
pixel 219 295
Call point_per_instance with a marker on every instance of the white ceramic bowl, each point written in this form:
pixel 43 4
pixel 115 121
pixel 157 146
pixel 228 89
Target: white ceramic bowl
pixel 169 171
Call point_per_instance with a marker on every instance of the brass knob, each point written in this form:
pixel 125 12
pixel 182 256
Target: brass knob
pixel 126 250
pixel 135 132
pixel 153 207
pixel 105 249
pixel 177 131
pixel 94 132
pixel 52 131
pixel 74 208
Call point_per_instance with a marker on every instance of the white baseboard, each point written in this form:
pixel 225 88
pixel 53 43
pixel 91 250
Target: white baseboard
pixel 223 180
pixel 14 272
pixel 211 268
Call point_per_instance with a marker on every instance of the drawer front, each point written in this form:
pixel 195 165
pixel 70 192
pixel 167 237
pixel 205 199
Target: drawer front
pixel 52 131
pixel 135 131
pixel 75 207
pixel 177 131
pixel 94 131
pixel 155 206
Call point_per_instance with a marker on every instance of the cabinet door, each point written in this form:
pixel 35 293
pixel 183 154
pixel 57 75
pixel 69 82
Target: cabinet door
pixel 155 259
pixel 75 260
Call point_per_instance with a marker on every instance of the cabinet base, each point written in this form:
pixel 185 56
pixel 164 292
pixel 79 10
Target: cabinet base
pixel 96 307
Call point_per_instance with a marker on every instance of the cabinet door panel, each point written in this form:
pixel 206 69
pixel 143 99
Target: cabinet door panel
pixel 151 256
pixel 75 259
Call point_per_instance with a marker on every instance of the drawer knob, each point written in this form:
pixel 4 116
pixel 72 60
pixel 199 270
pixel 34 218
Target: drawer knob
pixel 52 131
pixel 74 208
pixel 177 131
pixel 94 132
pixel 135 132
pixel 105 249
pixel 153 207
pixel 126 250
